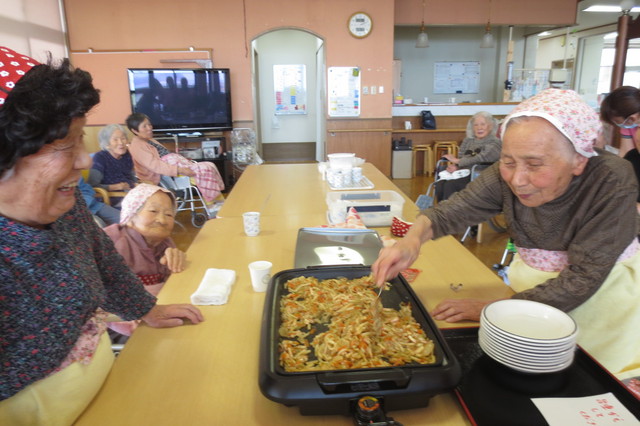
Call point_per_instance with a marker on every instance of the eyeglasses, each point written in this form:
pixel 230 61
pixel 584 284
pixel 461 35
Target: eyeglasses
pixel 625 125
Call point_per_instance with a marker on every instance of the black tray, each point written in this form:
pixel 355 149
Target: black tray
pixel 495 395
pixel 335 391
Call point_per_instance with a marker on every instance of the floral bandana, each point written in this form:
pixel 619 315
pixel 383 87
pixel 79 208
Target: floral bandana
pixel 13 66
pixel 135 199
pixel 567 112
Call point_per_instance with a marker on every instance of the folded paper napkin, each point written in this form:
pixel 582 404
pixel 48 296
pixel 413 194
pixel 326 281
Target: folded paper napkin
pixel 445 175
pixel 215 287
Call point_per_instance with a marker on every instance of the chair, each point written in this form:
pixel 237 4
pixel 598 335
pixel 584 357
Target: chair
pixel 427 162
pixel 107 195
pixel 188 197
pixel 440 148
pixel 476 169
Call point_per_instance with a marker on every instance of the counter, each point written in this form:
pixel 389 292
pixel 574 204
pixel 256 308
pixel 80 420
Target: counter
pixel 443 109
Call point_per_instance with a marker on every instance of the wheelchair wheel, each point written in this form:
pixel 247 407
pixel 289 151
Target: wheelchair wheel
pixel 498 224
pixel 198 219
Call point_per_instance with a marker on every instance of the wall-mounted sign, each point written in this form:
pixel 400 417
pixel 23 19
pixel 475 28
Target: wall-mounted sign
pixel 290 85
pixel 344 91
pixel 456 77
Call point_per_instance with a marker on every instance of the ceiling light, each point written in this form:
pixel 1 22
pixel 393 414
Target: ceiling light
pixel 609 9
pixel 487 38
pixel 423 38
pixel 544 33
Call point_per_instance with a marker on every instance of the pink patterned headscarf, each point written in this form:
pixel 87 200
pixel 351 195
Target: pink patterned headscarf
pixel 567 112
pixel 13 66
pixel 135 199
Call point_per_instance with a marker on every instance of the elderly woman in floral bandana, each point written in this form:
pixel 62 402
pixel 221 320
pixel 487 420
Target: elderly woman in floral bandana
pixel 571 212
pixel 143 237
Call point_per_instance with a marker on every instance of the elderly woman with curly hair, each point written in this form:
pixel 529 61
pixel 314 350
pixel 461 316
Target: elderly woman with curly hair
pixel 58 269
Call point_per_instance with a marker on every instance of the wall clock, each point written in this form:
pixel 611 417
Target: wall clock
pixel 360 24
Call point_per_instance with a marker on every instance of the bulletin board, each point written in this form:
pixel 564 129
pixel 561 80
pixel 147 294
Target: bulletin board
pixel 456 77
pixel 344 91
pixel 290 86
pixel 109 72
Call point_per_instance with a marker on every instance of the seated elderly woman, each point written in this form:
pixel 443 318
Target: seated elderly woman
pixel 480 146
pixel 143 239
pixel 58 267
pixel 112 168
pixel 152 160
pixel 143 236
pixel 570 210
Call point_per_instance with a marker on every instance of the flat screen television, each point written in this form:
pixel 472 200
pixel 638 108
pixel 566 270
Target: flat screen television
pixel 181 100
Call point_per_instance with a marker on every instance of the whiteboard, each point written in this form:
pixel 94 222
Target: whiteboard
pixel 344 91
pixel 456 77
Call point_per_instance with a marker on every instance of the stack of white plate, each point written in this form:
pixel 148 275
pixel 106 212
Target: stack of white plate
pixel 528 336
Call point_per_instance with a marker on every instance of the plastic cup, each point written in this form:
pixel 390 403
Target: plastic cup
pixel 260 272
pixel 251 221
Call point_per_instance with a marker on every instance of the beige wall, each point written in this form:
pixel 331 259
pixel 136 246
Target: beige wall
pixel 219 25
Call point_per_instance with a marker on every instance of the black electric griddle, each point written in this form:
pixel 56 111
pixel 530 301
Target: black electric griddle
pixel 336 391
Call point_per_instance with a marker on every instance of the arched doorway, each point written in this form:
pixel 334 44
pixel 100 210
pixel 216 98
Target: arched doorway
pixel 288 95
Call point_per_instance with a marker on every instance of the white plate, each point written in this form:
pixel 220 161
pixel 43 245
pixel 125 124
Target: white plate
pixel 524 367
pixel 535 345
pixel 529 320
pixel 541 360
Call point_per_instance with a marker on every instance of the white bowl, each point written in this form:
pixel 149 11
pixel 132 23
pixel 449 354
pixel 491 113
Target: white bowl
pixel 530 321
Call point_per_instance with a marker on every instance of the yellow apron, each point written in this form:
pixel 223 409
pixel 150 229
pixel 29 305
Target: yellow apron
pixel 609 321
pixel 60 398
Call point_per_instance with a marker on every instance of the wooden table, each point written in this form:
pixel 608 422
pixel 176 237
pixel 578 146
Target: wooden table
pixel 207 374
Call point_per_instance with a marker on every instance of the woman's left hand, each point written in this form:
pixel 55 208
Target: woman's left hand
pixel 454 310
pixel 174 259
pixel 162 316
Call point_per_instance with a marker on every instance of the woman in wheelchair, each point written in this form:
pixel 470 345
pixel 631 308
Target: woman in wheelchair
pixel 480 146
pixel 143 239
pixel 151 160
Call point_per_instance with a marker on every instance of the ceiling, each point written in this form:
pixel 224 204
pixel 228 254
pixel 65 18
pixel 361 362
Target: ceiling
pixel 585 20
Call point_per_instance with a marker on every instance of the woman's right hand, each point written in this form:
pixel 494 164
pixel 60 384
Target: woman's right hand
pixel 392 260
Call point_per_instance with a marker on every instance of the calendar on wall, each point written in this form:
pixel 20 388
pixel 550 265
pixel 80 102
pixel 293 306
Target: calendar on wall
pixel 456 77
pixel 290 86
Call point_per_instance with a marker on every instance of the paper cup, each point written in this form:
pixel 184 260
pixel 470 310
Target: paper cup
pixel 260 274
pixel 251 221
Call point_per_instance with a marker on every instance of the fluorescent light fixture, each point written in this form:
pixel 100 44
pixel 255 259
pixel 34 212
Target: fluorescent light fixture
pixel 609 8
pixel 610 36
pixel 544 33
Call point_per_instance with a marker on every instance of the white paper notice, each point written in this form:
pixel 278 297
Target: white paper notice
pixel 597 410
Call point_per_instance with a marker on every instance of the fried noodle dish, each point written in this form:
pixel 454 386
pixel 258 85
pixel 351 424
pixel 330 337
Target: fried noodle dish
pixel 352 339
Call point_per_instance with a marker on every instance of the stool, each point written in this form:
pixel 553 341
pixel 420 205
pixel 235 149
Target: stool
pixel 441 148
pixel 427 163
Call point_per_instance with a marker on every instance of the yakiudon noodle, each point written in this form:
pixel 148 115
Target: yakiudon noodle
pixel 351 341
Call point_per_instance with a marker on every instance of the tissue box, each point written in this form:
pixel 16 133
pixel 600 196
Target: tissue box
pixel 375 208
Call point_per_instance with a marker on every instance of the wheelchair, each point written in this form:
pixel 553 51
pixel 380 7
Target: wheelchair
pixel 188 197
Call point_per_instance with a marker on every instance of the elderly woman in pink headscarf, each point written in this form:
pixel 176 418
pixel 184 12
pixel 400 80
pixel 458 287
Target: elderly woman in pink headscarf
pixel 143 236
pixel 143 239
pixel 570 210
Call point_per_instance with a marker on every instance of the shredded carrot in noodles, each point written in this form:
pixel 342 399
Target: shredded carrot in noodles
pixel 343 308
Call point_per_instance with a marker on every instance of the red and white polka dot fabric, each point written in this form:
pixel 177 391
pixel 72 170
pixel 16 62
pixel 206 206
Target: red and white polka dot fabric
pixel 399 227
pixel 13 66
